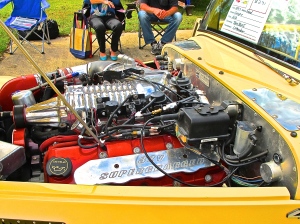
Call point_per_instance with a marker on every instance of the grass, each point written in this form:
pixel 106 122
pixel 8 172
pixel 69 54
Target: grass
pixel 63 11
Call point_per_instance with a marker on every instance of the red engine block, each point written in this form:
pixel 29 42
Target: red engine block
pixel 62 159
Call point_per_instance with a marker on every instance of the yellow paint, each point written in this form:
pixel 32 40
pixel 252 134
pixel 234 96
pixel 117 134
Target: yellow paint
pixel 108 204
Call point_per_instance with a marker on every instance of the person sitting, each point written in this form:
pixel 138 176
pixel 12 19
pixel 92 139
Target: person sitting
pixel 103 17
pixel 159 10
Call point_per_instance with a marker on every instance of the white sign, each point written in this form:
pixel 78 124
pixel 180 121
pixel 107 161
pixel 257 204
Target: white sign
pixel 246 19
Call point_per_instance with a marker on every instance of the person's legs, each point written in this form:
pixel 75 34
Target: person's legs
pixel 98 25
pixel 174 22
pixel 145 21
pixel 117 28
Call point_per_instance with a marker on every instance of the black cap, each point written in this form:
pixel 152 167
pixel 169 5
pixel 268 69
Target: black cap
pixel 59 167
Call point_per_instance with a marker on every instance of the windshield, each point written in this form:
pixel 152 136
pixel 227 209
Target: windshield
pixel 271 26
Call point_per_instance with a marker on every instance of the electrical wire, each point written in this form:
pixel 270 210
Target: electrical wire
pixel 154 164
pixel 172 91
pixel 242 162
pixel 170 176
pixel 114 112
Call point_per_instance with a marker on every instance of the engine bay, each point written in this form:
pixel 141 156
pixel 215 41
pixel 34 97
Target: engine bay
pixel 156 124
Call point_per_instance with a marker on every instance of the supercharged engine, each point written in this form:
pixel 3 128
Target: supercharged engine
pixel 125 123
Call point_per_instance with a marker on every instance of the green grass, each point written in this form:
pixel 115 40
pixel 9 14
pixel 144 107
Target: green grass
pixel 63 11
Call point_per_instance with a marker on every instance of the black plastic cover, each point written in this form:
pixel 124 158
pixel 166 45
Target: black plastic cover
pixel 203 122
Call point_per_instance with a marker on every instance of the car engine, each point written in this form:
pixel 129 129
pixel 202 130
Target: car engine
pixel 129 124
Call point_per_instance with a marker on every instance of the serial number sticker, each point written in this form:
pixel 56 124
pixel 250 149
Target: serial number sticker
pixel 125 168
pixel 203 76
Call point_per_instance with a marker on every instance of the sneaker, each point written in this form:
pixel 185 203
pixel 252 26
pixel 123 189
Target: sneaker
pixel 156 49
pixel 161 45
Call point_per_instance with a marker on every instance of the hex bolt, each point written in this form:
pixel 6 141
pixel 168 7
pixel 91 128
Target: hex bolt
pixel 176 184
pixel 169 145
pixel 208 178
pixel 277 158
pixel 102 155
pixel 136 150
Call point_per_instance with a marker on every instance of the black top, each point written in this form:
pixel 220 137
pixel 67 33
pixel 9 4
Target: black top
pixel 161 4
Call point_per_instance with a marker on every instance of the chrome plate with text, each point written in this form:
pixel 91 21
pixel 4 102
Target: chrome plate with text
pixel 125 168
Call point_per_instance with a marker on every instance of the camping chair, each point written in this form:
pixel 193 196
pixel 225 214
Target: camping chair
pixel 159 27
pixel 120 13
pixel 28 16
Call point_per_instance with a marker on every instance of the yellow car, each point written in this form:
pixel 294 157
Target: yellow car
pixel 205 133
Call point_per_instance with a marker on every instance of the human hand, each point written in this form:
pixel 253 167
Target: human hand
pixel 163 14
pixel 157 12
pixel 109 4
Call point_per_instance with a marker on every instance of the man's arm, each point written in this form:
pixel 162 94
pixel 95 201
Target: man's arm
pixel 160 13
pixel 169 12
pixel 148 9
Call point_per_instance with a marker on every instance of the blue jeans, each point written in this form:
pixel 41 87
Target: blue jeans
pixel 145 20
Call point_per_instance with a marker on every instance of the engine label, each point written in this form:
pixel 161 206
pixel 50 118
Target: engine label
pixel 125 168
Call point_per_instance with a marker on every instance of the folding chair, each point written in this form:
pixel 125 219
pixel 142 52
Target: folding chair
pixel 28 16
pixel 159 27
pixel 120 13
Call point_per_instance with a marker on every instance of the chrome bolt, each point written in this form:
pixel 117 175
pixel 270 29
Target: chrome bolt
pixel 136 150
pixel 208 178
pixel 102 155
pixel 169 145
pixel 176 184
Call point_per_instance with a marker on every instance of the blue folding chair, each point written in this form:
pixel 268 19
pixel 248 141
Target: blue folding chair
pixel 28 16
